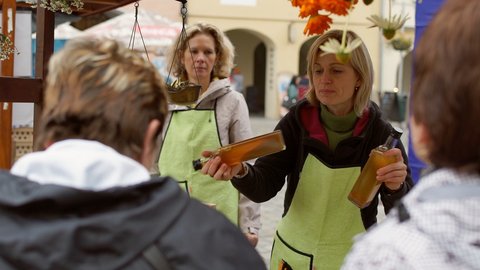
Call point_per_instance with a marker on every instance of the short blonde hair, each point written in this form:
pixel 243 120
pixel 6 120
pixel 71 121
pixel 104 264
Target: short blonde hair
pixel 223 48
pixel 100 90
pixel 360 61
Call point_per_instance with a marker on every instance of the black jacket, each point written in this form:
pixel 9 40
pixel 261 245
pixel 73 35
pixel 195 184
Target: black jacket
pixel 303 133
pixel 57 227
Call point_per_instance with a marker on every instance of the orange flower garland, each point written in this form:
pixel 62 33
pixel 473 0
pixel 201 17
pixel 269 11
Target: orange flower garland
pixel 319 23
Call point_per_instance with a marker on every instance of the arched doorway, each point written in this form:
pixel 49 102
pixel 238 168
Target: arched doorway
pixel 251 68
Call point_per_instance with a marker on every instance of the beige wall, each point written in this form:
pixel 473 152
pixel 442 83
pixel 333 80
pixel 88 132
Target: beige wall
pixel 244 48
pixel 167 8
pixel 271 22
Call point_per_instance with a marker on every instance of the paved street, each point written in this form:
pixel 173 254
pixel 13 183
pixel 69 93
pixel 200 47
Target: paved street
pixel 271 210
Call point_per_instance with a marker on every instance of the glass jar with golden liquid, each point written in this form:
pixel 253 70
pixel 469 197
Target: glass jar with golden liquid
pixel 366 186
pixel 252 148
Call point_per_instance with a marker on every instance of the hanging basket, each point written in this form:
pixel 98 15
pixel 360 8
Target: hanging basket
pixel 185 94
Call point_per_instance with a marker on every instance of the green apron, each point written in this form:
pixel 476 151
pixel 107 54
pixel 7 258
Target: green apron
pixel 319 227
pixel 188 134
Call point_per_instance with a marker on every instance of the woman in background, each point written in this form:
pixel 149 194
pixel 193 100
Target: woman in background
pixel 219 117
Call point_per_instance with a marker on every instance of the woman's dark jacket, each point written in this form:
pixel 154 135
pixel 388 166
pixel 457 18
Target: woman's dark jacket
pixel 304 133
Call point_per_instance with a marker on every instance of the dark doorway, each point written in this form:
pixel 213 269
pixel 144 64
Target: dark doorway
pixel 302 63
pixel 256 92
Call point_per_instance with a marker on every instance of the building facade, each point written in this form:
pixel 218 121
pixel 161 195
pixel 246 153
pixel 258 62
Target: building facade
pixel 271 47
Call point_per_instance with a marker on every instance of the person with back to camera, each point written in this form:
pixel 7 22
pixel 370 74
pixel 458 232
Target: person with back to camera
pixel 87 201
pixel 437 225
pixel 219 117
pixel 328 137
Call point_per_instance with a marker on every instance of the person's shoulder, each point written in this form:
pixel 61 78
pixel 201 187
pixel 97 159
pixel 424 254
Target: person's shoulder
pixel 208 219
pixel 375 113
pixel 373 117
pixel 383 246
pixel 229 100
pixel 210 236
pixel 4 175
pixel 233 95
pixel 12 185
pixel 303 111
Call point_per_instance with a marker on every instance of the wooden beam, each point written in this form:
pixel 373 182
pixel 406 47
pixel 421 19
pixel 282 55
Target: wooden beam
pixel 101 2
pixel 45 42
pixel 15 89
pixel 9 10
pixel 101 8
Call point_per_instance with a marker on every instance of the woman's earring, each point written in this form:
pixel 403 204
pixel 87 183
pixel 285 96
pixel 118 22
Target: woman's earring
pixel 357 88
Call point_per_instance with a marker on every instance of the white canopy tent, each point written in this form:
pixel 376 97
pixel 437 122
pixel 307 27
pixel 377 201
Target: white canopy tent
pixel 157 31
pixel 64 31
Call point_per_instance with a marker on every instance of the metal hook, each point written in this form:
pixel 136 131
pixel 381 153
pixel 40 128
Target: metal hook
pixel 182 37
pixel 136 25
pixel 136 9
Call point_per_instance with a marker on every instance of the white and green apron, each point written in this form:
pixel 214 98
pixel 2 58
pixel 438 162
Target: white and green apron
pixel 318 229
pixel 188 134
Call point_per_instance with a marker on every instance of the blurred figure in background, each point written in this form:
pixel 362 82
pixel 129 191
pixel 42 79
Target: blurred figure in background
pixel 303 86
pixel 291 93
pixel 437 225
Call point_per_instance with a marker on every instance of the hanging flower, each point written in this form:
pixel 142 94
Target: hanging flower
pixel 337 7
pixel 308 10
pixel 319 12
pixel 317 24
pixel 342 51
pixel 59 5
pixel 388 26
pixel 6 47
pixel 401 42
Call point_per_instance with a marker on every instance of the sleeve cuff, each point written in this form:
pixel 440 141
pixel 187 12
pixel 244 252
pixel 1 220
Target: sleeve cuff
pixel 244 173
pixel 393 192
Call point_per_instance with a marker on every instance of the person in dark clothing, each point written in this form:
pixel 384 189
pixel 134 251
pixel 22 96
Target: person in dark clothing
pixel 86 200
pixel 328 138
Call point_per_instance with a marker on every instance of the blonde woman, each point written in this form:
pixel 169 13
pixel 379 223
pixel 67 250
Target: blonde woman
pixel 328 139
pixel 219 117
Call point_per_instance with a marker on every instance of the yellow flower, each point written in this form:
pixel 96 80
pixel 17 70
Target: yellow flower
pixel 342 52
pixel 389 26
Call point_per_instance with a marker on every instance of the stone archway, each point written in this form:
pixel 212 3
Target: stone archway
pixel 254 67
